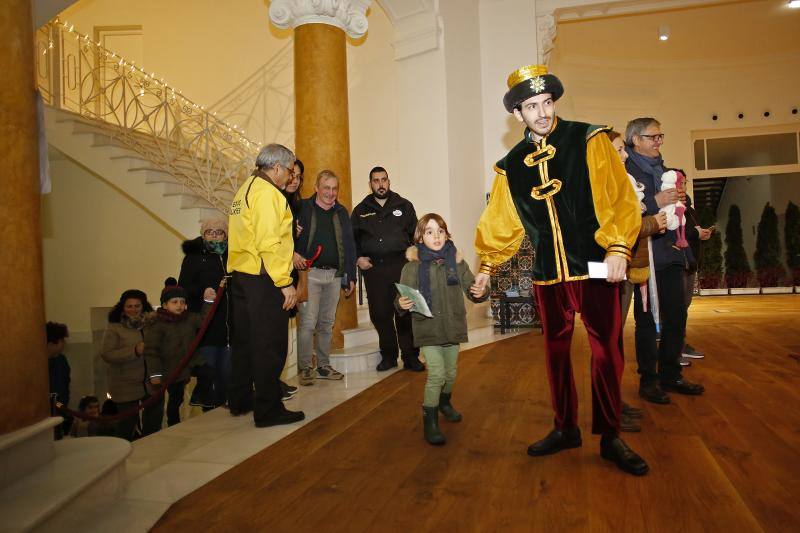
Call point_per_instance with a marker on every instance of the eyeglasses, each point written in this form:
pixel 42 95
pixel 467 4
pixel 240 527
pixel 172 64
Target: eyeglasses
pixel 215 232
pixel 657 138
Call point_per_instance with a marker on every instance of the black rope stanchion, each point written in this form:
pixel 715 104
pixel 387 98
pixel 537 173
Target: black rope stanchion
pixel 158 393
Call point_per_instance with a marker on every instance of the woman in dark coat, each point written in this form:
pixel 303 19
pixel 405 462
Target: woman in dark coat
pixel 203 267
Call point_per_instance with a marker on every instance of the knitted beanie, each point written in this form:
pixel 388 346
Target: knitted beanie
pixel 172 290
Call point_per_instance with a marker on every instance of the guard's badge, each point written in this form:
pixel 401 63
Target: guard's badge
pixel 397 213
pixel 537 84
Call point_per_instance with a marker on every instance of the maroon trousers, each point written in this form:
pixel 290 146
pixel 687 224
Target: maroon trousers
pixel 598 303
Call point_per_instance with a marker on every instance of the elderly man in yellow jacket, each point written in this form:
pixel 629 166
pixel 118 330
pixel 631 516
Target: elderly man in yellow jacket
pixel 564 185
pixel 260 250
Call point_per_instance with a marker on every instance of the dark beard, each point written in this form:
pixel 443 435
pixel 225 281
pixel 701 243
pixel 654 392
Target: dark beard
pixel 380 196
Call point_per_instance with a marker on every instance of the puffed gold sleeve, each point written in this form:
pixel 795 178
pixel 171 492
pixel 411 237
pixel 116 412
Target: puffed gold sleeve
pixel 615 204
pixel 500 230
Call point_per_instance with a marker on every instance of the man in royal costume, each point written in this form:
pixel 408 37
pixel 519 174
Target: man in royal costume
pixel 564 185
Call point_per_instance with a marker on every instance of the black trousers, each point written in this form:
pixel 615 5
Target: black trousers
pixel 260 343
pixel 393 328
pixel 661 361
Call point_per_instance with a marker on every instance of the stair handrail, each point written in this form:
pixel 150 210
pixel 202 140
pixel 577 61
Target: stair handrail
pixel 207 155
pixel 263 103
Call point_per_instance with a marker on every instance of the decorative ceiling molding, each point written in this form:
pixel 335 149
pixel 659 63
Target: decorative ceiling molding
pixel 550 12
pixel 348 15
pixel 416 26
pixel 573 10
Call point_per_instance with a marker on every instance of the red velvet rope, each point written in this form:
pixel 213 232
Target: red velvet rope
pixel 156 396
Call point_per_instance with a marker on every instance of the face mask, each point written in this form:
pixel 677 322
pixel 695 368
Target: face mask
pixel 217 247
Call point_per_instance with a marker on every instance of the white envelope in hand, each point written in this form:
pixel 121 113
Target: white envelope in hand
pixel 599 270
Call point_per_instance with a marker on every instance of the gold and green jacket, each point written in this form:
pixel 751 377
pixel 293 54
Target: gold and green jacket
pixel 572 196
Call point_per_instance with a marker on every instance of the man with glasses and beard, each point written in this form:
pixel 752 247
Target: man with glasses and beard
pixel 383 227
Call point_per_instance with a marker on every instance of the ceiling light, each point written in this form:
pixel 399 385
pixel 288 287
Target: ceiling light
pixel 794 4
pixel 663 32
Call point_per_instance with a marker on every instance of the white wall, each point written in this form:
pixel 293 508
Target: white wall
pixel 508 41
pixel 725 59
pixel 467 169
pixel 96 244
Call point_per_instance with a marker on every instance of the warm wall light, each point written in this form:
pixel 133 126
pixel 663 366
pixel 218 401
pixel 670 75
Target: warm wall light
pixel 663 32
pixel 794 4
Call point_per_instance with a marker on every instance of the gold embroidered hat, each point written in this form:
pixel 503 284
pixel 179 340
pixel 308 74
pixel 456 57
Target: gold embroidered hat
pixel 529 81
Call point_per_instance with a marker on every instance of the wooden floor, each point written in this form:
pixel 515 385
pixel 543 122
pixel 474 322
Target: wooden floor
pixel 727 461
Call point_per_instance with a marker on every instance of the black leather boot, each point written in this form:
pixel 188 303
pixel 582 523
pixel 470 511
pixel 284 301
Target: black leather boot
pixel 386 364
pixel 631 411
pixel 413 363
pixel 430 420
pixel 556 441
pixel 450 414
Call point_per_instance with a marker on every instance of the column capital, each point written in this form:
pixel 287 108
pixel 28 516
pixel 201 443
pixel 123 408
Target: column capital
pixel 348 15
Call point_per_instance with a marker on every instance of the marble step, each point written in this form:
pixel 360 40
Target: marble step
pixel 83 476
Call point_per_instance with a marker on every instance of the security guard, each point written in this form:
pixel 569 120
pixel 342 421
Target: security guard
pixel 383 227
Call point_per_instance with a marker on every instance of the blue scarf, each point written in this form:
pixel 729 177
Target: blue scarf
pixel 654 166
pixel 427 257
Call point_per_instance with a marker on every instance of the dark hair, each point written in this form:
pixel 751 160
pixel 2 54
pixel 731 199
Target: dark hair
pixel 86 401
pixel 612 135
pixel 56 332
pixel 115 315
pixel 294 197
pixel 376 169
pixel 420 229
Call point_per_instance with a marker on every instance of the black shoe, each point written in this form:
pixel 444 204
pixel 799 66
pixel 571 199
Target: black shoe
pixel 631 411
pixel 240 408
pixel 684 362
pixel 690 352
pixel 653 394
pixel 287 391
pixel 681 386
pixel 446 408
pixel 629 425
pixel 614 449
pixel 288 388
pixel 430 425
pixel 556 441
pixel 386 364
pixel 413 364
pixel 283 417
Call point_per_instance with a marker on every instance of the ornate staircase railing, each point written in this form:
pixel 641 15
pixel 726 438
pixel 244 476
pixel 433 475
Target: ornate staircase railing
pixel 263 104
pixel 205 154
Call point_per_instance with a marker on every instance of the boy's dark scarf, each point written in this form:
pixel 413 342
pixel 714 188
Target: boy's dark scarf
pixel 427 257
pixel 166 316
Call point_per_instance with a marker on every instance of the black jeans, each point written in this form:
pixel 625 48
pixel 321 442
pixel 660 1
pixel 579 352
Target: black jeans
pixel 260 343
pixel 661 361
pixel 392 327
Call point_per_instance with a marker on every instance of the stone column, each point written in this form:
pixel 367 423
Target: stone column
pixel 24 379
pixel 322 131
